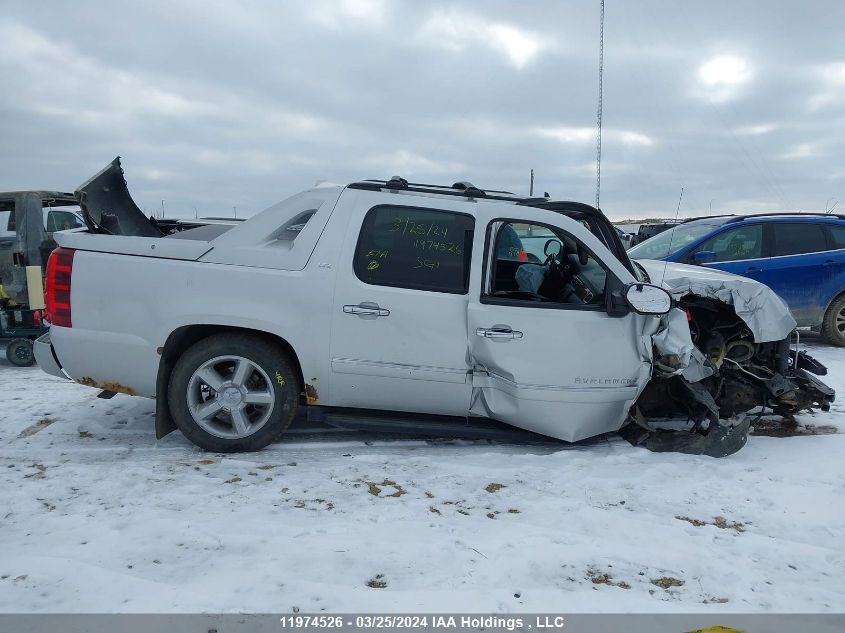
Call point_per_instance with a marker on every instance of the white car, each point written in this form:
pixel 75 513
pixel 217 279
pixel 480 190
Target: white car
pixel 406 306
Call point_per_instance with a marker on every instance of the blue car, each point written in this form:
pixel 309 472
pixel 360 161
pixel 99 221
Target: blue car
pixel 799 256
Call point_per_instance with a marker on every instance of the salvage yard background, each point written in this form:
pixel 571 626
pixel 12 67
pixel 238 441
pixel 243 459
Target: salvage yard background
pixel 98 516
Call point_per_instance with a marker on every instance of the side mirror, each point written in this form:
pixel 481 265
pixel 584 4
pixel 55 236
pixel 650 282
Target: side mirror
pixel 648 299
pixel 704 257
pixel 552 247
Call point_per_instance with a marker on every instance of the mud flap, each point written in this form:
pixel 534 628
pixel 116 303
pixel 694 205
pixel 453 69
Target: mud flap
pixel 720 441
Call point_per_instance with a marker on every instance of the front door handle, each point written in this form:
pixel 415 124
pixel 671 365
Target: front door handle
pixel 753 269
pixel 498 332
pixel 366 309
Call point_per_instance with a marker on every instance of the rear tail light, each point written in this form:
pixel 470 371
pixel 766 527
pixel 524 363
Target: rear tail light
pixel 57 291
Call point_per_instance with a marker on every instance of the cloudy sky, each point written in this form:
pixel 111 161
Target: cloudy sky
pixel 215 105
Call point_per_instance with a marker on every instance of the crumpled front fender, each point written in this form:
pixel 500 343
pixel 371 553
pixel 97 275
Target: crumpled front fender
pixel 764 312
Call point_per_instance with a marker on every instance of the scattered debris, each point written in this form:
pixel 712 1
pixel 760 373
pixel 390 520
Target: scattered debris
pixel 232 480
pixel 513 511
pixel 85 434
pixel 494 487
pixel 433 510
pixel 206 462
pixel 378 582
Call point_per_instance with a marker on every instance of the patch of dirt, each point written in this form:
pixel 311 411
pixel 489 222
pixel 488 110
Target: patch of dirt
pixel 376 488
pixel 85 434
pixel 720 522
pixel 603 578
pixel 205 462
pixel 315 505
pixel 40 469
pixel 667 582
pixel 377 582
pixel 38 426
pixel 724 524
pixel 778 428
pixel 494 487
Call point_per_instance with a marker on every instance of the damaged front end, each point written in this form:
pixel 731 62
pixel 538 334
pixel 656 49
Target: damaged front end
pixel 737 352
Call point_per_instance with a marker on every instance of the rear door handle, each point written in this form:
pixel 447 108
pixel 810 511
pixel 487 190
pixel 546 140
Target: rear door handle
pixel 498 332
pixel 753 269
pixel 366 309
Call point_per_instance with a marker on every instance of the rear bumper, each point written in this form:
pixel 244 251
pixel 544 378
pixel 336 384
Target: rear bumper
pixel 46 357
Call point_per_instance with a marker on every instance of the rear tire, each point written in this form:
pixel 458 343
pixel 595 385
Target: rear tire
pixel 833 326
pixel 19 352
pixel 233 393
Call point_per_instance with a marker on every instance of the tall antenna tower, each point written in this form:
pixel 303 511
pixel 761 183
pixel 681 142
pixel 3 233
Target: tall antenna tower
pixel 599 112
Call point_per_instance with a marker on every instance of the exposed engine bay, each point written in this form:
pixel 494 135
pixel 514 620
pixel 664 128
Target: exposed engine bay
pixel 707 416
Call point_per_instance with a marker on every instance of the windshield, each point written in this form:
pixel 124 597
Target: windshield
pixel 670 242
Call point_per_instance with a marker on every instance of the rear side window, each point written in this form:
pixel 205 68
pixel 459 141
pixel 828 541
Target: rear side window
pixel 837 235
pixel 795 238
pixel 10 224
pixel 422 249
pixel 743 242
pixel 62 220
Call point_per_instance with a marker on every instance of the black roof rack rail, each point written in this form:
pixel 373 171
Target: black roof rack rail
pixel 462 189
pixel 818 214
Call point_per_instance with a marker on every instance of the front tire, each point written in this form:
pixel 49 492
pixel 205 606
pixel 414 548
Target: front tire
pixel 19 352
pixel 833 326
pixel 233 393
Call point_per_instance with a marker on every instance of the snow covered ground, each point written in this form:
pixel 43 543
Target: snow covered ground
pixel 97 516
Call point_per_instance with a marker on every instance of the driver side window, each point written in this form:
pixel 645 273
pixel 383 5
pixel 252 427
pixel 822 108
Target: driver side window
pixel 540 264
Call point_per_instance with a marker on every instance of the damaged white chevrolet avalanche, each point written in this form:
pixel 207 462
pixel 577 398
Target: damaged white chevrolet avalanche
pixel 409 307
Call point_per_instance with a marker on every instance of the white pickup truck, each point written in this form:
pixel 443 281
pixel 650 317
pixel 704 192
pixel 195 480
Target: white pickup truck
pixel 401 306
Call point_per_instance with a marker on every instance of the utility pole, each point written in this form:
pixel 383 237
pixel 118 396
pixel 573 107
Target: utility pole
pixel 236 211
pixel 162 209
pixel 600 108
pixel 531 188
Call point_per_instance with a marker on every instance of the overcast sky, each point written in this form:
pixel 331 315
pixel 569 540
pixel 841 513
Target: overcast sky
pixel 214 105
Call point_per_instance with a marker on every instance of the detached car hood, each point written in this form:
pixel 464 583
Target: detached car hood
pixel 107 206
pixel 763 311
